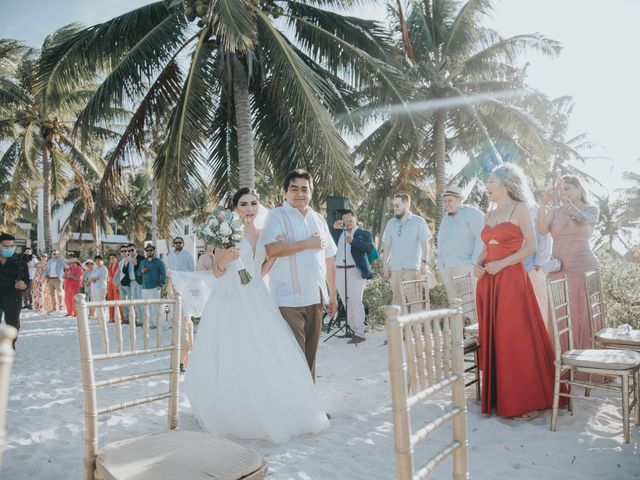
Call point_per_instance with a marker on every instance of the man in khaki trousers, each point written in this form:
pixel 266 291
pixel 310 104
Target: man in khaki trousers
pixel 406 246
pixel 54 274
pixel 304 263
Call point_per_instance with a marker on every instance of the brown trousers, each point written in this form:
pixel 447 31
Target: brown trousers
pixel 306 324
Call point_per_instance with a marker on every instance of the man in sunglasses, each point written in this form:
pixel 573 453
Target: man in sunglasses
pixel 182 261
pixel 406 246
pixel 154 276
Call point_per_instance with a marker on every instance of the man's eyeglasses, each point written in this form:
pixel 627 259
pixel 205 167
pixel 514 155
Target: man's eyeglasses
pixel 149 250
pixel 177 243
pixel 133 250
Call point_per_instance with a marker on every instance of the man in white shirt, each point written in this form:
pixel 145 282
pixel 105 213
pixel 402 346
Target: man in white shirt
pixel 305 263
pixel 182 261
pixel 406 246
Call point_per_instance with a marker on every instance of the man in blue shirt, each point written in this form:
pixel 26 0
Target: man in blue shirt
pixel 54 273
pixel 154 276
pixel 537 275
pixel 459 240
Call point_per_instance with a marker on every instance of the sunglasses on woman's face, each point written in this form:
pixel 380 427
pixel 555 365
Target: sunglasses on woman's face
pixel 150 250
pixel 132 251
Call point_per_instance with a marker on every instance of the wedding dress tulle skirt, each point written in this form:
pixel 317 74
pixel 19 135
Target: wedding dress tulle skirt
pixel 247 376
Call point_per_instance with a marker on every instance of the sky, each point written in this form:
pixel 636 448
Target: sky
pixel 598 65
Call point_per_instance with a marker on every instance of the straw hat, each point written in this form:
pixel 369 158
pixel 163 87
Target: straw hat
pixel 453 191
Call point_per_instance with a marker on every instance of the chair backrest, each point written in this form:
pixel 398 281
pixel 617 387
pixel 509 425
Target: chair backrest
pixel 595 303
pixel 560 306
pixel 464 289
pixel 88 359
pixel 7 355
pixel 415 296
pixel 426 352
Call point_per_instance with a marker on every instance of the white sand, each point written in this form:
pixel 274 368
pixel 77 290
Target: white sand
pixel 45 424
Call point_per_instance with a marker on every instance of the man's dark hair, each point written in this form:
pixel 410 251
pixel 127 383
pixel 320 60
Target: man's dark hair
pixel 6 236
pixel 178 238
pixel 299 173
pixel 132 245
pixel 345 212
pixel 97 257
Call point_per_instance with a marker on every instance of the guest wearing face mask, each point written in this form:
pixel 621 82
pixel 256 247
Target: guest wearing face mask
pixel 14 280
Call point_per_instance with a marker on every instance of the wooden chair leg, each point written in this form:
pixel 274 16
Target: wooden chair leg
pixel 637 395
pixel 556 400
pixel 587 390
pixel 475 356
pixel 625 405
pixel 572 375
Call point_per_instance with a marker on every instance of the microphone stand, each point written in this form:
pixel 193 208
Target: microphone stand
pixel 348 331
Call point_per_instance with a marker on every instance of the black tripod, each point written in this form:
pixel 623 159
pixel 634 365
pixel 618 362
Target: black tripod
pixel 343 313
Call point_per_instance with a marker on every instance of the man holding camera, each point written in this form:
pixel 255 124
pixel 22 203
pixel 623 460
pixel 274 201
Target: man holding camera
pixel 353 269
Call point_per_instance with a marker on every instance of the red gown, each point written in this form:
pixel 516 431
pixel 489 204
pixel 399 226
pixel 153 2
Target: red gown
pixel 516 353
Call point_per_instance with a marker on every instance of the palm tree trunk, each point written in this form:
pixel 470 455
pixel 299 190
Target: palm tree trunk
pixel 246 157
pixel 46 199
pixel 440 158
pixel 95 232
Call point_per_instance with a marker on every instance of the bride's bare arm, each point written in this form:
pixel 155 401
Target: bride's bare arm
pixel 222 257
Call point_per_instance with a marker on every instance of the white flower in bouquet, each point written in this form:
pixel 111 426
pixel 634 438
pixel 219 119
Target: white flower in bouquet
pixel 224 229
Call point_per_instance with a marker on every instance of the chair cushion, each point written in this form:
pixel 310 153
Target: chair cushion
pixel 609 336
pixel 472 330
pixel 176 455
pixel 602 358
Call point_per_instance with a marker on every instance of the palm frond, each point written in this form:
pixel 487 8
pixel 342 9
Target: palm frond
pixel 181 156
pixel 233 23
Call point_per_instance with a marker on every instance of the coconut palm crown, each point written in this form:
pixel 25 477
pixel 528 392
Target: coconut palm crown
pixel 236 82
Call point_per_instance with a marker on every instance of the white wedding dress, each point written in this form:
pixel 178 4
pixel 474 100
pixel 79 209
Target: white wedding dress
pixel 247 376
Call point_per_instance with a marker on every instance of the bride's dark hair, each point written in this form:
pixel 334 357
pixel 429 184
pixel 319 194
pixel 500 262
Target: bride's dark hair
pixel 239 194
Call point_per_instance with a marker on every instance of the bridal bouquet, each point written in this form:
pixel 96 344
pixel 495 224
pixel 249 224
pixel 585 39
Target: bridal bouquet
pixel 223 229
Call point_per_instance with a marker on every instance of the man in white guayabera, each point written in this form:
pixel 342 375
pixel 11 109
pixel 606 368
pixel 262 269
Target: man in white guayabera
pixel 406 246
pixel 305 263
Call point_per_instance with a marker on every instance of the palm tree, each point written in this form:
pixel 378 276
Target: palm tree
pixel 36 123
pixel 631 198
pixel 612 224
pixel 566 153
pixel 468 87
pixel 252 80
pixel 133 213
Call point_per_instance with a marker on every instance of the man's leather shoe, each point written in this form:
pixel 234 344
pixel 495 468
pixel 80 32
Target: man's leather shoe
pixel 356 339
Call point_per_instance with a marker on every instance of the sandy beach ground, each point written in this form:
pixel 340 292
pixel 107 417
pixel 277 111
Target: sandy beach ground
pixel 45 424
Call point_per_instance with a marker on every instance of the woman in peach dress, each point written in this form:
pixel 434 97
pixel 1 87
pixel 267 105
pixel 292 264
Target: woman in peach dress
pixel 571 225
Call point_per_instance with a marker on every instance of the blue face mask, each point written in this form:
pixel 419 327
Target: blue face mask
pixel 8 251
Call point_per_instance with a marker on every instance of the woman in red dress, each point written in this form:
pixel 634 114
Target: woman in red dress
pixel 516 353
pixel 72 282
pixel 113 293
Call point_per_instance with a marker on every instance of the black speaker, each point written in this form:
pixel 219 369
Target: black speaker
pixel 335 206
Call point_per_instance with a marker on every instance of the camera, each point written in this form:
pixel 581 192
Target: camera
pixel 343 224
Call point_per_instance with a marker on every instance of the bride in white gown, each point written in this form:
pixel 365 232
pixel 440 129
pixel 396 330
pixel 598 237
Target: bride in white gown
pixel 248 377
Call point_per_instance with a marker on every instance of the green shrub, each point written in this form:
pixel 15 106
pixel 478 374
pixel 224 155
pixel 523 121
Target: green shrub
pixel 377 295
pixel 621 288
